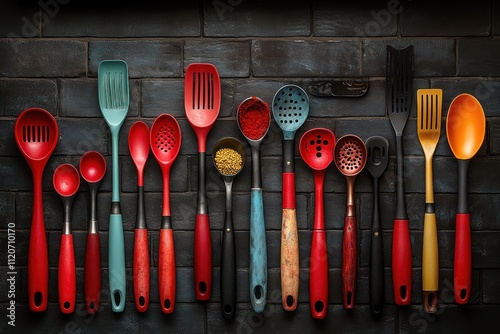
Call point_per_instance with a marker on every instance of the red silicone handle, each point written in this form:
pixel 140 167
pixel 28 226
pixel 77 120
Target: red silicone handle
pixel 166 271
pixel 202 257
pixel 463 259
pixel 288 180
pixel 92 273
pixel 349 262
pixel 401 262
pixel 318 275
pixel 67 274
pixel 38 260
pixel 141 269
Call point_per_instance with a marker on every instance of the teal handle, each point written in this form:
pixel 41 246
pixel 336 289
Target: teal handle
pixel 115 195
pixel 116 263
pixel 258 252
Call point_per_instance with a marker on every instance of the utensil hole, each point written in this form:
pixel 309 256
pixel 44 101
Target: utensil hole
pixel 463 293
pixel 142 300
pixel 166 303
pixel 202 286
pixel 289 301
pixel 349 298
pixel 117 297
pixel 257 292
pixel 402 291
pixel 318 154
pixel 67 305
pixel 325 142
pixel 319 306
pixel 318 148
pixel 312 142
pixel 38 299
pixel 92 305
pixel 228 309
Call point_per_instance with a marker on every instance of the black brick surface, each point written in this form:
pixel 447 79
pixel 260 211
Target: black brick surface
pixel 257 47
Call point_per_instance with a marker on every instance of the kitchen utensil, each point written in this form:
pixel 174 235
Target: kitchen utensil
pixel 338 88
pixel 138 144
pixel 399 95
pixel 256 110
pixel 165 141
pixel 66 182
pixel 113 89
pixel 465 130
pixel 36 135
pixel 377 148
pixel 202 98
pixel 316 149
pixel 429 108
pixel 290 109
pixel 228 261
pixel 350 159
pixel 92 168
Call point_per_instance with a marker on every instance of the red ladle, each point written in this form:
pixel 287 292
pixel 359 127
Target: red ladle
pixel 36 135
pixel 92 168
pixel 66 182
pixel 165 140
pixel 316 149
pixel 138 144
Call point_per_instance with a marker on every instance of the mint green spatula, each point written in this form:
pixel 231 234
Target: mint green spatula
pixel 114 101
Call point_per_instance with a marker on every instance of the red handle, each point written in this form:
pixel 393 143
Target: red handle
pixel 38 260
pixel 92 273
pixel 67 274
pixel 141 269
pixel 349 262
pixel 318 275
pixel 463 259
pixel 166 271
pixel 202 257
pixel 288 180
pixel 401 262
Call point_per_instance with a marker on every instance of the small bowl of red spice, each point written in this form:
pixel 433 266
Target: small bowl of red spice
pixel 254 118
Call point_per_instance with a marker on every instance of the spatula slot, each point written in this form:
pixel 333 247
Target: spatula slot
pixel 203 96
pixel 35 133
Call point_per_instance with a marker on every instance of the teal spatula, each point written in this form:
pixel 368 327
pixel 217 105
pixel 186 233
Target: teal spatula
pixel 114 101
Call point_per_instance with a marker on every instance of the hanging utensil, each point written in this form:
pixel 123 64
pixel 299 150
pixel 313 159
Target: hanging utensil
pixel 350 159
pixel 92 168
pixel 36 135
pixel 429 109
pixel 66 182
pixel 377 148
pixel 202 98
pixel 229 159
pixel 138 144
pixel 113 89
pixel 316 149
pixel 290 109
pixel 465 130
pixel 338 88
pixel 165 141
pixel 399 95
pixel 254 118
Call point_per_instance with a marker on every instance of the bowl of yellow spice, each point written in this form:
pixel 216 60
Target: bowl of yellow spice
pixel 229 159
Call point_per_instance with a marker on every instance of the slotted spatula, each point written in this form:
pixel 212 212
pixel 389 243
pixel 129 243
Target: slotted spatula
pixel 113 92
pixel 429 107
pixel 399 94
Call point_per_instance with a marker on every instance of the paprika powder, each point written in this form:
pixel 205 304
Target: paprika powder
pixel 254 117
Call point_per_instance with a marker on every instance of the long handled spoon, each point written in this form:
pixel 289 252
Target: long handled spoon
pixel 377 148
pixel 92 168
pixel 138 144
pixel 254 119
pixel 465 129
pixel 229 158
pixel 290 109
pixel 66 182
pixel 350 158
pixel 316 149
pixel 165 141
pixel 113 92
pixel 202 99
pixel 36 135
pixel 429 109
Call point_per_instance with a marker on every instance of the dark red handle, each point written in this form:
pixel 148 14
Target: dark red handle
pixel 92 273
pixel 288 180
pixel 166 271
pixel 349 262
pixel 318 275
pixel 202 257
pixel 401 262
pixel 67 274
pixel 141 269
pixel 38 260
pixel 463 259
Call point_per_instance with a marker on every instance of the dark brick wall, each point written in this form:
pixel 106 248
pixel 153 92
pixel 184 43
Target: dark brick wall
pixel 257 47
